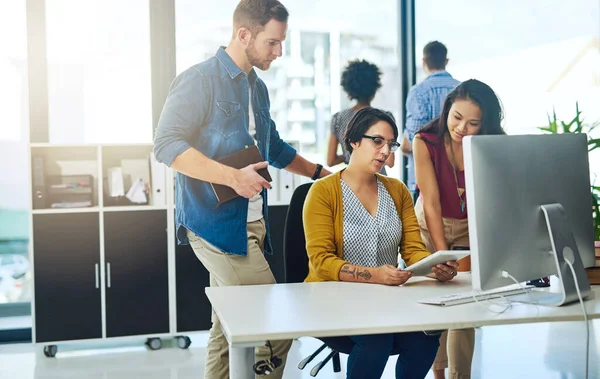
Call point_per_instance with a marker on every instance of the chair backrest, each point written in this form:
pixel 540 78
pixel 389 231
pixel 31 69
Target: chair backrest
pixel 294 244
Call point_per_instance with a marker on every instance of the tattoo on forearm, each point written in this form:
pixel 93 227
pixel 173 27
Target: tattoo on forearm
pixel 365 274
pixel 356 273
pixel 346 270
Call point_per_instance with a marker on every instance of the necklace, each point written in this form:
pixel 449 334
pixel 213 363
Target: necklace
pixel 458 190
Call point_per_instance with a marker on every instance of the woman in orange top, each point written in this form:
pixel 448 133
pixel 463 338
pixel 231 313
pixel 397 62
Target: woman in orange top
pixel 356 222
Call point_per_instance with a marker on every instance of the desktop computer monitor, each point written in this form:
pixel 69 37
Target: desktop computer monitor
pixel 518 188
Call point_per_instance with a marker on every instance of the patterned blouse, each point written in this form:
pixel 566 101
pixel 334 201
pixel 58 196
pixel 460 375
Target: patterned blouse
pixel 371 241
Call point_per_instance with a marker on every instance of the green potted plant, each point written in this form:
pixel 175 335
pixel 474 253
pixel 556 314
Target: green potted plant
pixel 576 125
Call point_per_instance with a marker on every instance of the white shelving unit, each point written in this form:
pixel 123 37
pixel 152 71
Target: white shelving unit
pixel 104 271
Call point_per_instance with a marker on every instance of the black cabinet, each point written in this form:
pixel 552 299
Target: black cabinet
pixel 100 270
pixel 67 276
pixel 277 215
pixel 193 307
pixel 137 277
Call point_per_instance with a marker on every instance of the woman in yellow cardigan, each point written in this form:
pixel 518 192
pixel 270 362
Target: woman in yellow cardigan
pixel 355 222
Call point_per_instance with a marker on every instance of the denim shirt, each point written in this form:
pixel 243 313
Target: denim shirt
pixel 423 104
pixel 207 109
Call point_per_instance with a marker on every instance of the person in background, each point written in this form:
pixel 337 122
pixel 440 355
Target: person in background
pixel 356 221
pixel 472 108
pixel 424 101
pixel 360 81
pixel 214 109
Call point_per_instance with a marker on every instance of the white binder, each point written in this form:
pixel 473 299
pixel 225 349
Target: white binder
pixel 286 186
pixel 274 190
pixel 158 182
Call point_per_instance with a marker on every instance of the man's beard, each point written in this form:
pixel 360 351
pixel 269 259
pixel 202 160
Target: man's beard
pixel 254 59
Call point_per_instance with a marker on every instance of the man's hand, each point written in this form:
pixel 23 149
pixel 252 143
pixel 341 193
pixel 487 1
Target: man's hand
pixel 445 272
pixel 391 276
pixel 247 182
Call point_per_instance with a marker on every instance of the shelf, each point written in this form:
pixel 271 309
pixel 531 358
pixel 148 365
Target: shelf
pixel 127 208
pixel 64 210
pixel 129 145
pixel 130 208
pixel 66 153
pixel 62 145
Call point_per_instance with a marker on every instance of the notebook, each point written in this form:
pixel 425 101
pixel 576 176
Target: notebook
pixel 239 160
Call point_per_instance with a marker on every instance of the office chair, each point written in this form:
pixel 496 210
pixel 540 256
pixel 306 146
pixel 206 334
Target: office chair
pixel 296 269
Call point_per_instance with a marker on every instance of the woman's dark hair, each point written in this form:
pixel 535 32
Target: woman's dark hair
pixel 360 80
pixel 479 93
pixel 362 121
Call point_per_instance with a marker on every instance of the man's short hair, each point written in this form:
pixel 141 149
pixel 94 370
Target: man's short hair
pixel 435 55
pixel 254 14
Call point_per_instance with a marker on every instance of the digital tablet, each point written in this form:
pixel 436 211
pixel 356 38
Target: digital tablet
pixel 424 266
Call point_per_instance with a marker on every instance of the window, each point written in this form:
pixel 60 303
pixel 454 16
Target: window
pixel 99 83
pixel 13 70
pixel 536 54
pixel 15 275
pixel 304 84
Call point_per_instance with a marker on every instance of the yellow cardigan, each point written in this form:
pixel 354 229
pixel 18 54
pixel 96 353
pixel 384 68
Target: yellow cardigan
pixel 323 226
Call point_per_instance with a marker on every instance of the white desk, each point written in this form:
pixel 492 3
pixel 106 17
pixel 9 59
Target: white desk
pixel 250 315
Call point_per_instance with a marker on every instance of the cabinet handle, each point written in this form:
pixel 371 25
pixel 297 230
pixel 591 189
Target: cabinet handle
pixel 108 274
pixel 97 276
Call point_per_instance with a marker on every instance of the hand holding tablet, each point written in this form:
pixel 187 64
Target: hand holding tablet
pixel 425 265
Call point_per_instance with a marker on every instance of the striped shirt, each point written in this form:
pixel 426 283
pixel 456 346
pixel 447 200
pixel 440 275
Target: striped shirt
pixel 423 104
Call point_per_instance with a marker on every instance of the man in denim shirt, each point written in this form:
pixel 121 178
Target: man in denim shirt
pixel 214 109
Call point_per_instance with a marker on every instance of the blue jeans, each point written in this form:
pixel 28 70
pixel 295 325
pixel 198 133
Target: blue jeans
pixel 371 353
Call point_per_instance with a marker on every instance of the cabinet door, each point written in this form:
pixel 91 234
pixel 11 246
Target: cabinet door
pixel 277 216
pixel 191 278
pixel 137 276
pixel 66 274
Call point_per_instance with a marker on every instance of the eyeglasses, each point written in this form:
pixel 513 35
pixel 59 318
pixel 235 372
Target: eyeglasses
pixel 380 142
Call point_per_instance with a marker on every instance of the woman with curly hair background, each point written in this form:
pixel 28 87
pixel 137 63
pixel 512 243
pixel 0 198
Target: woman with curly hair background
pixel 360 81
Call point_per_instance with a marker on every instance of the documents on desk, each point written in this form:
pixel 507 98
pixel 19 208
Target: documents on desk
pixel 472 296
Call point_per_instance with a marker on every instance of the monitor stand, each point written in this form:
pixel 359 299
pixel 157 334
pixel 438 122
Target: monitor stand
pixel 563 248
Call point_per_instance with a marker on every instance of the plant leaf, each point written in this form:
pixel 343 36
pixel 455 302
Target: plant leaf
pixel 593 144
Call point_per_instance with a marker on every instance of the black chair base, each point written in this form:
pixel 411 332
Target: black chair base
pixel 337 367
pixel 308 359
pixel 315 370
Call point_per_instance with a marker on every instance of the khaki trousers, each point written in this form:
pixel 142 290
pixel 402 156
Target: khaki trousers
pixel 233 270
pixel 456 346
